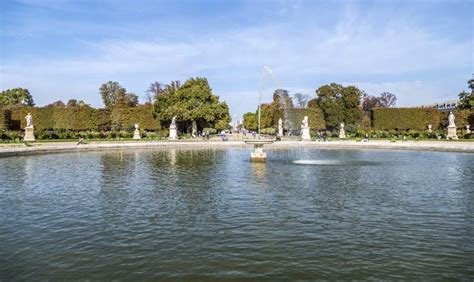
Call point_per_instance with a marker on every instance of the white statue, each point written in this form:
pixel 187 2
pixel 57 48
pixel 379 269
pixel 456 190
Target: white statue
pixel 304 123
pixel 451 127
pixel 451 119
pixel 342 131
pixel 468 129
pixel 136 133
pixel 280 127
pixel 305 129
pixel 173 131
pixel 429 128
pixel 29 121
pixel 173 122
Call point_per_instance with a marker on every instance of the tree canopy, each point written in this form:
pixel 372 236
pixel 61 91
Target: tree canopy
pixel 114 95
pixel 192 101
pixel 466 99
pixel 16 96
pixel 339 104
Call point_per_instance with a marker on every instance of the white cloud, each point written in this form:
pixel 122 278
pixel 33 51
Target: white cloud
pixel 233 60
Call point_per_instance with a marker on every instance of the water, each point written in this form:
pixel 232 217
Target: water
pixel 212 215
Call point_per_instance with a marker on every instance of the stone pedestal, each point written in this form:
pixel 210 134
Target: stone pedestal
pixel 173 133
pixel 136 134
pixel 452 132
pixel 29 134
pixel 280 132
pixel 305 133
pixel 342 133
pixel 258 155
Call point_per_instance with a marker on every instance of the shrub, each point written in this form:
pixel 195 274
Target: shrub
pixel 209 130
pixel 269 131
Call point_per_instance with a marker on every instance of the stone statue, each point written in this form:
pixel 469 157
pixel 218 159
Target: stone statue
pixel 136 133
pixel 29 129
pixel 173 131
pixel 468 129
pixel 280 127
pixel 29 121
pixel 304 123
pixel 451 119
pixel 451 127
pixel 305 129
pixel 429 128
pixel 342 131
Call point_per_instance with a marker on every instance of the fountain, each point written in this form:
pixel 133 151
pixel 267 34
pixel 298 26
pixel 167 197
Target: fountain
pixel 259 154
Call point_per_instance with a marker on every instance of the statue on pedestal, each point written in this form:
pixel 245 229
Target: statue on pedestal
pixel 29 121
pixel 280 127
pixel 136 133
pixel 29 129
pixel 451 127
pixel 342 131
pixel 429 128
pixel 173 131
pixel 305 129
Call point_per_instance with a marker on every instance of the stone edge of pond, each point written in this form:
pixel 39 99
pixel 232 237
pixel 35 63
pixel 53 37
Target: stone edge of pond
pixel 51 148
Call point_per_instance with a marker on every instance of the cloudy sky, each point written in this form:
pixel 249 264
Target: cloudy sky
pixel 420 50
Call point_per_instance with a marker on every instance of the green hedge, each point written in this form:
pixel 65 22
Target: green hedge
pixel 315 118
pixel 405 118
pixel 79 118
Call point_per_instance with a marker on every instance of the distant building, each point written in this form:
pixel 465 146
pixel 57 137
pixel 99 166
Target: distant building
pixel 444 106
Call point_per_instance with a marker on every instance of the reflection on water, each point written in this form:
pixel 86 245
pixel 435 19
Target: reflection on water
pixel 202 214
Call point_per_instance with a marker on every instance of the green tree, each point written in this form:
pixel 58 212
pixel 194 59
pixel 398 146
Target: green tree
pixel 339 104
pixel 466 99
pixel 250 121
pixel 16 96
pixel 114 95
pixel 192 101
pixel 57 104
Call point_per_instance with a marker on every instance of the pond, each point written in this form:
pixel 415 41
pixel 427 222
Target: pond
pixel 211 214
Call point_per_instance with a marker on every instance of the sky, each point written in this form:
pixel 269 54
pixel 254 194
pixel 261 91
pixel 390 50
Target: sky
pixel 422 51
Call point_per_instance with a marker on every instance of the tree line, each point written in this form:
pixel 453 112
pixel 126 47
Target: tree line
pixel 191 102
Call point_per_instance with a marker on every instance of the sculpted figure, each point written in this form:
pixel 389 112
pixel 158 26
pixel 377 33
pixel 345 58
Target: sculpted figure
pixel 451 119
pixel 29 120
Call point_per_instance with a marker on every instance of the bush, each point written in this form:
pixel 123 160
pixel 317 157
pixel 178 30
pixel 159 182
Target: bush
pixel 269 131
pixel 209 130
pixel 315 118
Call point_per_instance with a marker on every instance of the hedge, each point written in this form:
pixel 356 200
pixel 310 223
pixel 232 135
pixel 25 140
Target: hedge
pixel 79 118
pixel 405 118
pixel 315 118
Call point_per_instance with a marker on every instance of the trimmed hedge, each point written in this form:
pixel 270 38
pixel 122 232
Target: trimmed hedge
pixel 79 118
pixel 315 118
pixel 405 118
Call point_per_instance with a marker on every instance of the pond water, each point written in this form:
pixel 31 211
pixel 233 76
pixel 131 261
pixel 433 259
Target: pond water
pixel 211 214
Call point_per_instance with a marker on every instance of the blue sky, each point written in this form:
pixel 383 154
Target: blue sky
pixel 422 51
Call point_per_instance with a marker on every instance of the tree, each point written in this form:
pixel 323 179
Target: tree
pixel 114 95
pixel 250 121
pixel 369 102
pixel 57 104
pixel 387 100
pixel 301 100
pixel 16 96
pixel 71 103
pixel 339 104
pixel 192 101
pixel 466 99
